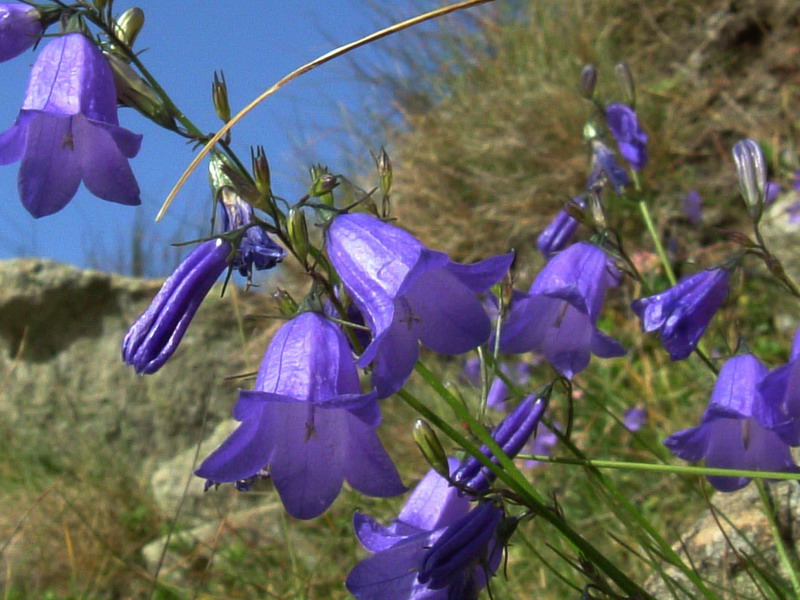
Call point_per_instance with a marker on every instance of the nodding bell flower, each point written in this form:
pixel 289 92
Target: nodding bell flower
pixel 781 390
pixel 558 315
pixel 629 135
pixel 682 313
pixel 511 435
pixel 436 548
pixel 735 431
pixel 20 28
pixel 155 335
pixel 256 249
pixel 308 423
pixel 407 294
pixel 67 131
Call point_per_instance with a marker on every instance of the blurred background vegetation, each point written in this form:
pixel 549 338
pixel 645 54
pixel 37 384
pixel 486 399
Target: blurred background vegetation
pixel 483 120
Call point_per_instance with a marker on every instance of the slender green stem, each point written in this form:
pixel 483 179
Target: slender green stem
pixel 789 562
pixel 651 229
pixel 660 468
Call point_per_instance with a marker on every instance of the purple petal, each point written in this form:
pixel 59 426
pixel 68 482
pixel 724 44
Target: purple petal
pixel 369 468
pixel 105 170
pixel 735 393
pixel 394 358
pixel 498 393
pixel 377 538
pixel 20 28
pixel 482 275
pixel 447 316
pixel 50 172
pixel 12 141
pixel 245 452
pixel 434 503
pixel 689 444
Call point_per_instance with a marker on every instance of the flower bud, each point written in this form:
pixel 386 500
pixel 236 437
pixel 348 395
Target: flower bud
pixel 261 171
pixel 298 232
pixel 128 25
pixel 752 175
pixel 135 92
pixel 625 80
pixel 511 435
pixel 322 184
pixel 287 305
pixel 384 171
pixel 588 80
pixel 219 95
pixel 431 447
pixel 100 5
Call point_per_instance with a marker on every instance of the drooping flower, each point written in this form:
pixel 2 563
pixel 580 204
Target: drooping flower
pixel 67 131
pixel 497 394
pixel 511 435
pixel 605 167
pixel 558 234
pixel 308 423
pixel 256 249
pixel 734 431
pixel 155 335
pixel 558 315
pixel 631 138
pixel 407 549
pixel 682 313
pixel 781 390
pixel 693 207
pixel 407 294
pixel 20 28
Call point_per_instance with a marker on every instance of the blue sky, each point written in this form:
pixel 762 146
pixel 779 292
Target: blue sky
pixel 255 42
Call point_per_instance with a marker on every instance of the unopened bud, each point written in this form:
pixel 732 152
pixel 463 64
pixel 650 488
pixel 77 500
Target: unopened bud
pixel 287 305
pixel 384 171
pixel 219 95
pixel 261 171
pixel 752 175
pixel 135 92
pixel 100 5
pixel 322 184
pixel 128 25
pixel 297 229
pixel 431 447
pixel 625 80
pixel 588 80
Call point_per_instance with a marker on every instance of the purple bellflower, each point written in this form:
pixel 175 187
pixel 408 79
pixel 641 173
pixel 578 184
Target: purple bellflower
pixel 67 131
pixel 256 249
pixel 308 423
pixel 511 435
pixel 542 444
pixel 682 313
pixel 155 335
pixel 497 394
pixel 20 28
pixel 558 315
pixel 781 390
pixel 734 431
pixel 605 167
pixel 407 294
pixel 631 138
pixel 408 550
pixel 558 234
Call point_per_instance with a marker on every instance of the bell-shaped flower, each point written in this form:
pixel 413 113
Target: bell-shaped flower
pixel 511 435
pixel 407 294
pixel 20 28
pixel 781 390
pixel 67 131
pixel 435 550
pixel 155 335
pixel 631 138
pixel 558 234
pixel 734 430
pixel 256 249
pixel 557 317
pixel 308 423
pixel 682 313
